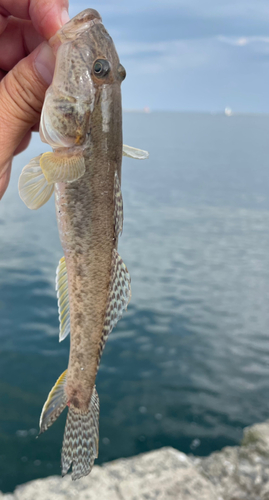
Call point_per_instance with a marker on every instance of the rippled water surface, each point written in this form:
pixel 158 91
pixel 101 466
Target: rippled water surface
pixel 188 364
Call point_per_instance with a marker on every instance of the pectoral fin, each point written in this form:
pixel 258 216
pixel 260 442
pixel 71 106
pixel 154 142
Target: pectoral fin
pixel 34 189
pixel 62 167
pixel 137 154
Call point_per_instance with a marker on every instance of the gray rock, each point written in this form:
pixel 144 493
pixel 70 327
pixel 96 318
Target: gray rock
pixel 241 472
pixel 256 437
pixel 238 473
pixel 162 474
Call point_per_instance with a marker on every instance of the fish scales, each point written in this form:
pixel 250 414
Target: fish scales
pixel 82 121
pixel 88 241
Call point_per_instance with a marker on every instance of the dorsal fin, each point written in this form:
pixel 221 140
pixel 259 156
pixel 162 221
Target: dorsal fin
pixel 119 297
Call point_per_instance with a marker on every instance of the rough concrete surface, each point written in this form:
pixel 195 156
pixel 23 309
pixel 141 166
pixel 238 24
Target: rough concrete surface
pixel 234 473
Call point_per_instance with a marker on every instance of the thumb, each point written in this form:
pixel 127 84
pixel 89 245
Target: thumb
pixel 22 93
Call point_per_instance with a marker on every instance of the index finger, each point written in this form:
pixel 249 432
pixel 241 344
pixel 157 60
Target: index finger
pixel 47 16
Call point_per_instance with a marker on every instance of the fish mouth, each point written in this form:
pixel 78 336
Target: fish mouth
pixel 73 28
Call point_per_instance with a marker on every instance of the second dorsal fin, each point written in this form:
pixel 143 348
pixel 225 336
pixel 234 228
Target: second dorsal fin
pixel 119 296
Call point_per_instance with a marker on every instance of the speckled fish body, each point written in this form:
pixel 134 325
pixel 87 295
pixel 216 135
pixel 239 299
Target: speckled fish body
pixel 86 212
pixel 81 120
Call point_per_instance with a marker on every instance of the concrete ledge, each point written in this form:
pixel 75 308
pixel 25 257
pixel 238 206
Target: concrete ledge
pixel 234 473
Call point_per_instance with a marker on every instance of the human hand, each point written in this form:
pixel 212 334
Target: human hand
pixel 26 70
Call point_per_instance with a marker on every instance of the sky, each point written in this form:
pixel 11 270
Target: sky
pixel 190 55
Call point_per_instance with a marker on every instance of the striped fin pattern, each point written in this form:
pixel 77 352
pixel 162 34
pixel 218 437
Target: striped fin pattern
pixel 118 298
pixel 118 206
pixel 81 439
pixel 34 189
pixel 137 154
pixel 55 404
pixel 59 167
pixel 63 299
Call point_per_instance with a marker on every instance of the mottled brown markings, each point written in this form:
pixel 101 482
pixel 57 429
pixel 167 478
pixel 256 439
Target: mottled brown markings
pixel 80 271
pixel 69 121
pixel 79 296
pixel 83 59
pixel 88 216
pixel 75 402
pixel 78 318
pixel 80 358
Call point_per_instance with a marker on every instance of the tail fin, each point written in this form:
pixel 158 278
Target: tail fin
pixel 81 436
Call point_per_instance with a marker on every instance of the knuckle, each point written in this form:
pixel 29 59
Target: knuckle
pixel 24 95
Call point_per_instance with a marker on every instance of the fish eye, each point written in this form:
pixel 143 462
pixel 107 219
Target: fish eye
pixel 122 72
pixel 101 68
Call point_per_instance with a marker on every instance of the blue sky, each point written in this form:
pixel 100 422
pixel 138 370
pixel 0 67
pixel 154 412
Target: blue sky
pixel 190 55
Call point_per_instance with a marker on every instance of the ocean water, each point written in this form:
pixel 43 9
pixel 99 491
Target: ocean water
pixel 188 365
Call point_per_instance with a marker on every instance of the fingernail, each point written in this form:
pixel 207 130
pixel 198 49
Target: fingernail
pixel 65 16
pixel 45 63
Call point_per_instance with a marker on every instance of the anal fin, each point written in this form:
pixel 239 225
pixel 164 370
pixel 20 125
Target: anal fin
pixel 63 299
pixel 63 166
pixel 81 439
pixel 55 404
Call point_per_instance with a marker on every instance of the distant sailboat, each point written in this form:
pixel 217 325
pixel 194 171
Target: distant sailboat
pixel 228 112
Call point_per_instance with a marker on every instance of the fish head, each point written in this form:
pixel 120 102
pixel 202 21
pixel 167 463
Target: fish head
pixel 106 73
pixel 87 72
pixel 87 30
pixel 78 24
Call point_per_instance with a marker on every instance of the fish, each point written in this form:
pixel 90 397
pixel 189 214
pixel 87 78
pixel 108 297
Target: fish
pixel 81 120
